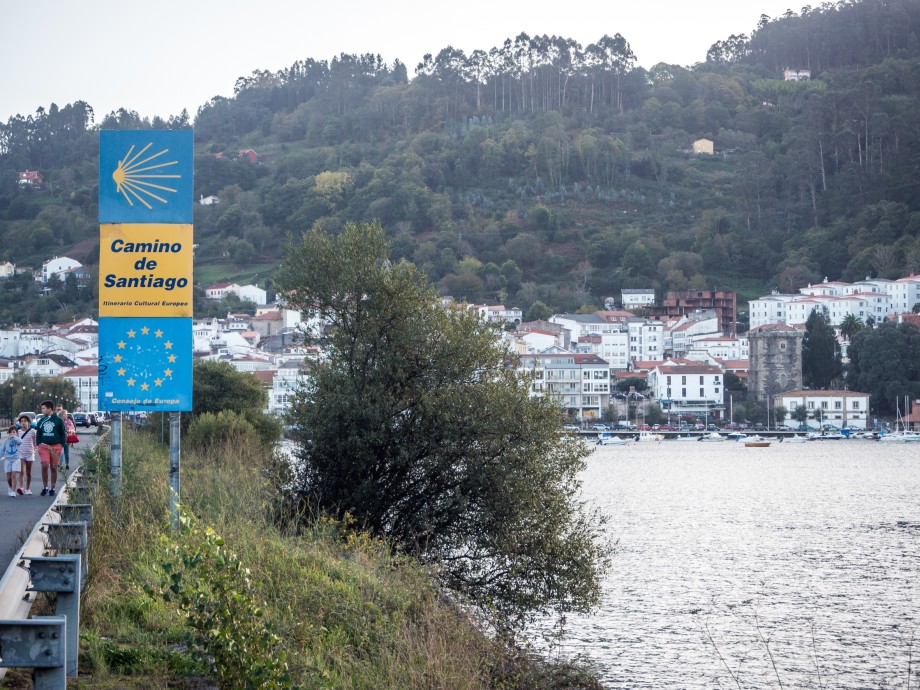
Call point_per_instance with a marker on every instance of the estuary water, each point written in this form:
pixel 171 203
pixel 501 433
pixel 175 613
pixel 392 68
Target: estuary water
pixel 793 566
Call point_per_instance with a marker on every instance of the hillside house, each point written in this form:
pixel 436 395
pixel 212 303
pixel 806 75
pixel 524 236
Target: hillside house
pixel 796 74
pixel 58 267
pixel 704 147
pixel 31 178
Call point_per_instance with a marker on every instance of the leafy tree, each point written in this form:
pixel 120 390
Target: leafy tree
pixel 218 387
pixel 414 424
pixel 885 363
pixel 26 392
pixel 800 414
pixel 821 362
pixel 538 312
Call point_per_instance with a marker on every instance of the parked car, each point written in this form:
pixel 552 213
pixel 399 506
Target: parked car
pixel 570 427
pixel 601 427
pixel 80 419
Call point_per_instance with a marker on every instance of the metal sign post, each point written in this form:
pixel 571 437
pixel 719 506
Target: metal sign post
pixel 146 208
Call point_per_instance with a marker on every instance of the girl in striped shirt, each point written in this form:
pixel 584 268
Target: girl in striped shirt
pixel 26 452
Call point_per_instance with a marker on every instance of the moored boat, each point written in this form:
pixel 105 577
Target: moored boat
pixel 756 442
pixel 712 436
pixel 900 437
pixel 649 436
pixel 795 439
pixel 608 439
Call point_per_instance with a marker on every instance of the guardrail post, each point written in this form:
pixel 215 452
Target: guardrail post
pixel 75 512
pixel 79 494
pixel 39 643
pixel 61 574
pixel 69 537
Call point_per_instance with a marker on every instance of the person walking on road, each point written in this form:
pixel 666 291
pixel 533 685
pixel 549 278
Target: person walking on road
pixel 26 453
pixel 50 437
pixel 70 429
pixel 9 449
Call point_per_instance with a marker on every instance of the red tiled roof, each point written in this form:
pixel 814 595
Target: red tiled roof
pixel 86 370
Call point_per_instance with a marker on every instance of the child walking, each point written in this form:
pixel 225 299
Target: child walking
pixel 9 449
pixel 26 453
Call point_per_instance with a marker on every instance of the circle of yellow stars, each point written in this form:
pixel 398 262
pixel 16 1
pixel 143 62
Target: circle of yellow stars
pixel 167 373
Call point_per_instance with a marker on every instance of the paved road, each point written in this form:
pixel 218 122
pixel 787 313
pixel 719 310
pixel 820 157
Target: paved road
pixel 19 515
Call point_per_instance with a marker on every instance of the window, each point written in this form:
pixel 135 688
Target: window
pixel 856 404
pixel 837 404
pixel 683 393
pixel 683 380
pixel 811 406
pixel 702 381
pixel 669 380
pixel 824 404
pixel 702 392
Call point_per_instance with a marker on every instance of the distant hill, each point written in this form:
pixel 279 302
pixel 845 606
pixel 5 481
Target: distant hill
pixel 543 170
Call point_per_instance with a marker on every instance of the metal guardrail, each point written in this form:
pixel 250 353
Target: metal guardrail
pixel 47 643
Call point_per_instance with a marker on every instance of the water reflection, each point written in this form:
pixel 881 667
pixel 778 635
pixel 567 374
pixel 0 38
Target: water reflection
pixel 755 567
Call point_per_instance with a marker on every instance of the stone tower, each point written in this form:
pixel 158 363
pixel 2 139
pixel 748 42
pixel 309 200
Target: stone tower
pixel 775 363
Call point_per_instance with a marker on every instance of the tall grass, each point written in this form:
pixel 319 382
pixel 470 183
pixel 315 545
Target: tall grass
pixel 350 613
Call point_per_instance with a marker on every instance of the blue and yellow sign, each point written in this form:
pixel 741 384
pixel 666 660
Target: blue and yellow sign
pixel 145 364
pixel 145 270
pixel 145 176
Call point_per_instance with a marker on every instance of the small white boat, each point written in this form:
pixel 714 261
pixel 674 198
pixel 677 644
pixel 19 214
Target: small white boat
pixel 825 436
pixel 756 442
pixel 713 436
pixel 607 439
pixel 795 439
pixel 688 437
pixel 900 437
pixel 648 436
pixel 736 436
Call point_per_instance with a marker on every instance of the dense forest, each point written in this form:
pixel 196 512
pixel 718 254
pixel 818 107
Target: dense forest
pixel 538 171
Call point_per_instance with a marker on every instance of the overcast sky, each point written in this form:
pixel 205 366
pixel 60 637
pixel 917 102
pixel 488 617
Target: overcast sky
pixel 160 57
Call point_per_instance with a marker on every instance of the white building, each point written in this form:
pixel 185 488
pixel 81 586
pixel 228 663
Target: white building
pixel 253 293
pixel 720 347
pixel 646 340
pixel 85 380
pixel 637 298
pixel 872 297
pixel 288 377
pixel 218 291
pixel 613 347
pixel 840 408
pixel 690 388
pixel 498 313
pixel 905 293
pixel 579 383
pixel 58 268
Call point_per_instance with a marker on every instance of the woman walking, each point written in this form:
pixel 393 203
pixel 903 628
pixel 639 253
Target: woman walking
pixel 70 430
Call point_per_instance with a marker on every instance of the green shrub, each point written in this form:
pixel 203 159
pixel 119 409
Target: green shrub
pixel 212 589
pixel 211 430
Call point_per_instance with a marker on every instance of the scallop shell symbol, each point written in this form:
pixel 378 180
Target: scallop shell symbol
pixel 133 177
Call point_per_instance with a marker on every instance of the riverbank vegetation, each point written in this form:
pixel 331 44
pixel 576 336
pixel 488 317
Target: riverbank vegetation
pixel 345 611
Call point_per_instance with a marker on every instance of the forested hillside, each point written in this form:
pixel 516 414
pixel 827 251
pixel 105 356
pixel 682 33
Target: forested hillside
pixel 541 170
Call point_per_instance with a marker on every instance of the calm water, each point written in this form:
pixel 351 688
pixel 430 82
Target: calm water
pixel 728 556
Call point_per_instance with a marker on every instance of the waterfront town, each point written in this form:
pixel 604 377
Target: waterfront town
pixel 680 344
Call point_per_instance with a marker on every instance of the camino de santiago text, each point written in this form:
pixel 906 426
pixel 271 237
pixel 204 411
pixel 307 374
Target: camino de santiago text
pixel 147 280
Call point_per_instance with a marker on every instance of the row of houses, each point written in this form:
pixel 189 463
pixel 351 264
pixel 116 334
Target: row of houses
pixel 875 298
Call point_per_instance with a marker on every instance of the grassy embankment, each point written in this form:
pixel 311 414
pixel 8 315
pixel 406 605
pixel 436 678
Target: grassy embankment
pixel 349 614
